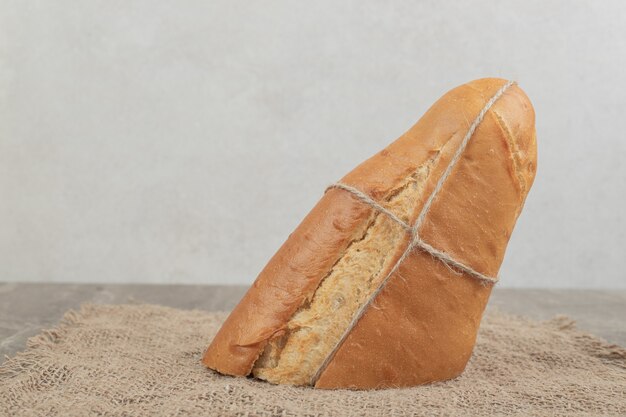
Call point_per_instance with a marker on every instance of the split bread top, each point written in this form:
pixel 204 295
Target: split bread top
pixel 384 282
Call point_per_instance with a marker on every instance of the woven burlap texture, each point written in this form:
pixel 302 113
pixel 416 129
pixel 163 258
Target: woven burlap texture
pixel 144 360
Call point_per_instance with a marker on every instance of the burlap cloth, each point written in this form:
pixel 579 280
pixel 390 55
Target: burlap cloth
pixel 144 360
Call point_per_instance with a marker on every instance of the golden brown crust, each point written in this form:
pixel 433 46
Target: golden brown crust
pixel 316 328
pixel 290 277
pixel 424 326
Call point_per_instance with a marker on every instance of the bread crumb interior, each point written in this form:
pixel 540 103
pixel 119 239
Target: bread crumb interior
pixel 318 325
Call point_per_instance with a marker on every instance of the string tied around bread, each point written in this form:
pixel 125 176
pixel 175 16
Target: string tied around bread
pixel 416 241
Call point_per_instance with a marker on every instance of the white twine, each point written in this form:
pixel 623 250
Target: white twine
pixel 416 241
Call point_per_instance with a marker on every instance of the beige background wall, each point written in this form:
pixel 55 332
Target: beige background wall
pixel 156 141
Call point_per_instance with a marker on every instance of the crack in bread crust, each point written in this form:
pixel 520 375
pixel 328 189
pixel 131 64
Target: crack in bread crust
pixel 294 356
pixel 514 150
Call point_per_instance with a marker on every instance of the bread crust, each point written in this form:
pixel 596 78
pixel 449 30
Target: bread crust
pixel 422 326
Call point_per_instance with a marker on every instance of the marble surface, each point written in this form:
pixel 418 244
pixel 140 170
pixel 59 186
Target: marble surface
pixel 26 309
pixel 160 141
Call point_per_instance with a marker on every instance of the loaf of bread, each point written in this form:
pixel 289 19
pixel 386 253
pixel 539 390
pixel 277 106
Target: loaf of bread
pixel 384 282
